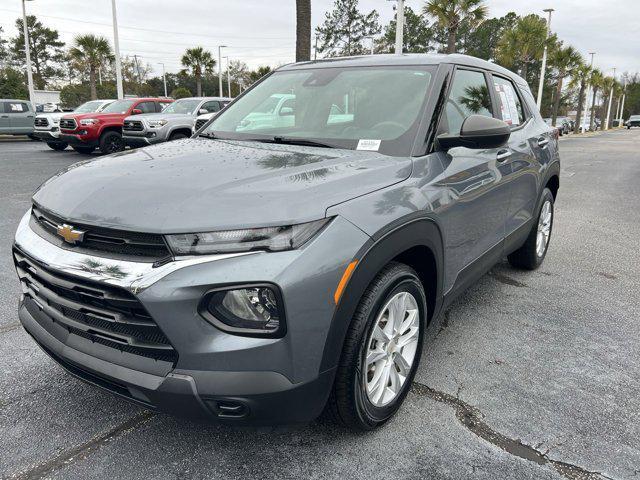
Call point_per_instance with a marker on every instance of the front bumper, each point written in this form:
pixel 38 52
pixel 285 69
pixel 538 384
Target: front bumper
pixel 217 376
pixel 78 140
pixel 47 135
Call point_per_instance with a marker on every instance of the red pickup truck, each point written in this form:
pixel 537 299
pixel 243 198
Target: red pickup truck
pixel 86 131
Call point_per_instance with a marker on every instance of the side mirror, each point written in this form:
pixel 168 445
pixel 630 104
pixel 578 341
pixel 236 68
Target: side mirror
pixel 477 131
pixel 203 111
pixel 286 111
pixel 136 111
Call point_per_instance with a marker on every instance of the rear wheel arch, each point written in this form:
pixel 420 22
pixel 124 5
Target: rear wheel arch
pixel 553 184
pixel 415 241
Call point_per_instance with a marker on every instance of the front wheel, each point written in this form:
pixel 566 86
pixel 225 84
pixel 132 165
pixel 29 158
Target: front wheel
pixel 111 142
pixel 531 255
pixel 58 146
pixel 178 136
pixel 381 350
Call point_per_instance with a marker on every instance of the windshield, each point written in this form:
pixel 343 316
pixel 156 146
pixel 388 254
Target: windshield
pixel 87 107
pixel 366 108
pixel 119 106
pixel 634 117
pixel 182 106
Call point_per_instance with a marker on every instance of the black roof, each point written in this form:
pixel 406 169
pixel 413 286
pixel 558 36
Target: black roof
pixel 405 59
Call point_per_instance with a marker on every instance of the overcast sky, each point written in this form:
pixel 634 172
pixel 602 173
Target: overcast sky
pixel 262 32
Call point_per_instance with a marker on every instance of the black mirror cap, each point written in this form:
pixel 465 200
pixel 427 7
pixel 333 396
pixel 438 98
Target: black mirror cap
pixel 477 131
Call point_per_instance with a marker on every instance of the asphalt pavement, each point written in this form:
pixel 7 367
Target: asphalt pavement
pixel 528 375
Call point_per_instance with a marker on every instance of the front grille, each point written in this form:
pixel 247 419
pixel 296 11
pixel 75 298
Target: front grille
pixel 119 243
pixel 200 123
pixel 68 123
pixel 133 125
pixel 103 314
pixel 41 122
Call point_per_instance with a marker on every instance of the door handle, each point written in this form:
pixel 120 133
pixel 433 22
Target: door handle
pixel 543 141
pixel 503 154
pixel 5 116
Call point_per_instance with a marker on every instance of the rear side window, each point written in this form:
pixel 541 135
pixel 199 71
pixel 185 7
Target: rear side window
pixel 15 107
pixel 469 95
pixel 146 107
pixel 211 107
pixel 509 104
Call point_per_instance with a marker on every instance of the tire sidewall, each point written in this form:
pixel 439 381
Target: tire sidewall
pixel 106 140
pixel 546 195
pixel 370 414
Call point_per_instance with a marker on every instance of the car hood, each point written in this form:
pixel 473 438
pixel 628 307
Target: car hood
pixel 100 115
pixel 202 184
pixel 53 116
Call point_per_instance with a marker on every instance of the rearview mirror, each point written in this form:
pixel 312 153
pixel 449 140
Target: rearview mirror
pixel 136 111
pixel 477 131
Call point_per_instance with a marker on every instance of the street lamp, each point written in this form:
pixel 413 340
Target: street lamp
pixel 27 51
pixel 116 46
pixel 220 47
pixel 164 78
pixel 584 118
pixel 228 77
pixel 544 58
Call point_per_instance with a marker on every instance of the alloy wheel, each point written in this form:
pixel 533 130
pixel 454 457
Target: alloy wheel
pixel 544 228
pixel 391 349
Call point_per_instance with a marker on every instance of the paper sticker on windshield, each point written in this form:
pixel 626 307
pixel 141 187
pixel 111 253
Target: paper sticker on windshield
pixel 373 145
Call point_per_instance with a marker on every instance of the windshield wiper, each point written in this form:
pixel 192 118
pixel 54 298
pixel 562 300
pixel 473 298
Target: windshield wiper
pixel 299 141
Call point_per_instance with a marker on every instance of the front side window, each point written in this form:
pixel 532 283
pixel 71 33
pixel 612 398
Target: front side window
pixel 469 95
pixel 147 107
pixel 119 106
pixel 15 107
pixel 511 110
pixel 211 107
pixel 373 108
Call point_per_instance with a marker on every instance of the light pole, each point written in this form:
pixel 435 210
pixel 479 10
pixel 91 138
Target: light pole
pixel 27 51
pixel 606 125
pixel 228 77
pixel 544 59
pixel 399 26
pixel 164 78
pixel 220 47
pixel 116 46
pixel 624 94
pixel 584 118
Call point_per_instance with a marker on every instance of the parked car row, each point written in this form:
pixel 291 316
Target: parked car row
pixel 564 125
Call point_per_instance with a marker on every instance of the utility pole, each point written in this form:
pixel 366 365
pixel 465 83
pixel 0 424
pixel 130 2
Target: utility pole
pixel 584 121
pixel 399 26
pixel 164 78
pixel 220 47
pixel 27 51
pixel 624 94
pixel 606 125
pixel 544 59
pixel 228 78
pixel 315 48
pixel 116 45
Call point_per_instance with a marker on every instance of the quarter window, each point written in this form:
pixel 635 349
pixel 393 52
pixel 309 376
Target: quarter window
pixel 511 110
pixel 469 95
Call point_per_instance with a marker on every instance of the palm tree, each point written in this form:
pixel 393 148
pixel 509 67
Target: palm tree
pixel 595 80
pixel 451 13
pixel 200 61
pixel 91 52
pixel 303 30
pixel 580 79
pixel 523 43
pixel 564 60
pixel 608 83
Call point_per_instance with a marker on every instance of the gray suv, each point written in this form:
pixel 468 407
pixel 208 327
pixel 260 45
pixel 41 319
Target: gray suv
pixel 173 123
pixel 266 271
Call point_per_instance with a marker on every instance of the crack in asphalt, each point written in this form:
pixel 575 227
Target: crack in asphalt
pixel 9 327
pixel 82 451
pixel 471 418
pixel 502 278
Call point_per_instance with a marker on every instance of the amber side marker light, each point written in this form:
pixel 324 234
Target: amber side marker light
pixel 344 280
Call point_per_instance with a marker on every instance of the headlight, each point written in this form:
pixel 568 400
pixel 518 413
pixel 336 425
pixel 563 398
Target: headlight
pixel 88 121
pixel 255 310
pixel 157 123
pixel 226 241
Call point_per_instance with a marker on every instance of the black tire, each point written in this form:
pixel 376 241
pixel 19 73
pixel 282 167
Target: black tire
pixel 33 138
pixel 177 136
pixel 527 257
pixel 348 402
pixel 57 146
pixel 111 142
pixel 83 150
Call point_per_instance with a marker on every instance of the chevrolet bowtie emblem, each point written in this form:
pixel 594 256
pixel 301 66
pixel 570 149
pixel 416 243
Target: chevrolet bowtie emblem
pixel 69 234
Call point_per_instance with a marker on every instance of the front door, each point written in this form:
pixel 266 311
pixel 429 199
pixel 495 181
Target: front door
pixel 475 210
pixel 21 117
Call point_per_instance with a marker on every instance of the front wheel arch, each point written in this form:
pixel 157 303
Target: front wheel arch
pixel 412 240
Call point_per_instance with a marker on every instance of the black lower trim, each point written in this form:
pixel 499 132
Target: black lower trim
pixel 75 140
